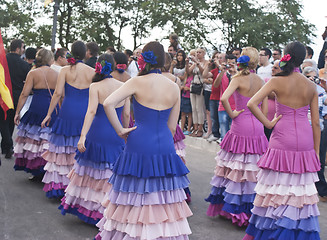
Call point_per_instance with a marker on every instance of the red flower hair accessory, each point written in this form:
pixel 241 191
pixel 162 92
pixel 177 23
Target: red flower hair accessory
pixel 121 66
pixel 98 67
pixel 285 59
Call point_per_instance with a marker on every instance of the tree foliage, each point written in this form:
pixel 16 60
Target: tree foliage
pixel 213 23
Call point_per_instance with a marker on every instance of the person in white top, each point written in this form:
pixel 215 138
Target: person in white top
pixel 60 59
pixel 133 68
pixel 265 69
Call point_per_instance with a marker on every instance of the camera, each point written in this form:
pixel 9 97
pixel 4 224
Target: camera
pixel 227 66
pixel 212 61
pixel 316 80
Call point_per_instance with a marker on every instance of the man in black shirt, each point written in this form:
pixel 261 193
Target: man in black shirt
pixel 91 56
pixel 18 70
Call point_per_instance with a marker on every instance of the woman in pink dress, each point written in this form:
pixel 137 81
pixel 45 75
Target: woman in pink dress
pixel 285 206
pixel 233 184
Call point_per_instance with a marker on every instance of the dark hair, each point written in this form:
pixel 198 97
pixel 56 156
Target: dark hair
pixel 309 50
pixel 236 49
pixel 78 50
pixel 60 52
pixel 158 51
pixel 104 57
pixel 175 48
pixel 128 52
pixel 120 58
pixel 267 51
pixel 278 50
pixel 16 43
pixel 93 47
pixel 180 65
pixel 231 56
pixel 111 49
pixel 30 53
pixel 297 52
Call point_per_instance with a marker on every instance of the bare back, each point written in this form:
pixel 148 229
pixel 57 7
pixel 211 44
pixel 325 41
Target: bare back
pixel 106 87
pixel 44 77
pixel 79 76
pixel 156 91
pixel 294 90
pixel 249 84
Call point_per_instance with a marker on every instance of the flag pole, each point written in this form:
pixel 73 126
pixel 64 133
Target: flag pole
pixel 54 26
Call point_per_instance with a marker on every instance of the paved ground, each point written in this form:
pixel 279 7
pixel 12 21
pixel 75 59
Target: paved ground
pixel 26 214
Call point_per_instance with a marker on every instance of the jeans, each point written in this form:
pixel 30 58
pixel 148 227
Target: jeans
pixel 213 104
pixel 321 185
pixel 224 121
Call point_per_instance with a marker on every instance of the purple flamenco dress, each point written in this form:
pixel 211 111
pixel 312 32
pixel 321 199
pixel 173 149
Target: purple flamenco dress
pixel 63 141
pixel 233 184
pixel 32 140
pixel 285 206
pixel 89 178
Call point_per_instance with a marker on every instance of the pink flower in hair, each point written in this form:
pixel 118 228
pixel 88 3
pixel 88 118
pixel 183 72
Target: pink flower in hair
pixel 286 58
pixel 98 67
pixel 71 61
pixel 141 62
pixel 121 66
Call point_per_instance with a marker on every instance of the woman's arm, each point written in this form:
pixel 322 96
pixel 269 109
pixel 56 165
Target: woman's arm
pixel 89 116
pixel 126 90
pixel 314 110
pixel 227 94
pixel 24 94
pixel 259 97
pixel 58 93
pixel 206 73
pixel 218 79
pixel 173 117
pixel 126 113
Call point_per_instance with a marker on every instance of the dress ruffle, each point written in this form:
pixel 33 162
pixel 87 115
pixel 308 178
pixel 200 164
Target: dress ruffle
pixel 145 166
pixel 290 161
pixel 179 135
pixel 67 128
pixel 244 144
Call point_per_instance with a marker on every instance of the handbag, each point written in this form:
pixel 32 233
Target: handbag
pixel 196 88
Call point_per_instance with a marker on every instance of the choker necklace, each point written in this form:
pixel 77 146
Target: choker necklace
pixel 158 71
pixel 79 61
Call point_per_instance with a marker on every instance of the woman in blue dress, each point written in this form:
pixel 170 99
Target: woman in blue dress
pixel 98 148
pixel 32 140
pixel 147 200
pixel 73 86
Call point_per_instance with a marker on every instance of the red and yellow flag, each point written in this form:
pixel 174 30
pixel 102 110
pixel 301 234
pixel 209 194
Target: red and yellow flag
pixel 5 81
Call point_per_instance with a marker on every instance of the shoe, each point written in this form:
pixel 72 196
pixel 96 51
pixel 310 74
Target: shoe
pixel 9 154
pixel 186 132
pixel 199 134
pixel 324 35
pixel 219 140
pixel 212 138
pixel 193 134
pixel 207 135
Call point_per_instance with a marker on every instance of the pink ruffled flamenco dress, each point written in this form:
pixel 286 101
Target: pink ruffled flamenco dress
pixel 233 184
pixel 285 206
pixel 32 140
pixel 180 150
pixel 147 199
pixel 63 141
pixel 89 178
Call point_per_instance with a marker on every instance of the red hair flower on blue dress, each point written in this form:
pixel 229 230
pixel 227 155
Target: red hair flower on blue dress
pixel 70 59
pixel 146 60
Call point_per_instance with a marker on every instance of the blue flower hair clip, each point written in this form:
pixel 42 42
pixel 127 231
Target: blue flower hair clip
pixel 243 62
pixel 146 60
pixel 103 68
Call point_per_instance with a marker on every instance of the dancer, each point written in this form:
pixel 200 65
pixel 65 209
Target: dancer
pixel 73 83
pixel 147 200
pixel 99 146
pixel 233 193
pixel 121 61
pixel 32 140
pixel 285 206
